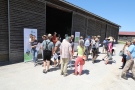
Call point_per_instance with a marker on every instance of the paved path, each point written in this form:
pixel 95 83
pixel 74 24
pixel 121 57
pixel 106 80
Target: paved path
pixel 98 76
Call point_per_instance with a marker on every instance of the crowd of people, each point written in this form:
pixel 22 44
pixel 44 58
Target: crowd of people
pixel 63 52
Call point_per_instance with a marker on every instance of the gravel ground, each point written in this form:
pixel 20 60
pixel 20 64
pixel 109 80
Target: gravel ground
pixel 98 76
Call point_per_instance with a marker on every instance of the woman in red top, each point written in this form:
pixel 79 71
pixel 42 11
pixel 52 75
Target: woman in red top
pixel 54 38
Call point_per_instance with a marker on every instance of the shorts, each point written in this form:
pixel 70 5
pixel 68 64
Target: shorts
pixel 47 55
pixel 109 55
pixel 58 56
pixel 95 51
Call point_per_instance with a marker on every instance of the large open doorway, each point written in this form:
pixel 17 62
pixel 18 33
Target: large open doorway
pixel 58 21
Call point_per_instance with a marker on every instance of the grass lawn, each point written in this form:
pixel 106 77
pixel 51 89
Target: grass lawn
pixel 121 42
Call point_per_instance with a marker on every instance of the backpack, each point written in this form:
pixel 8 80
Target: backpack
pixel 106 45
pixel 46 48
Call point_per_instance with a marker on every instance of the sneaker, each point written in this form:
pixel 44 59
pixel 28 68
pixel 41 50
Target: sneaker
pixel 48 70
pixel 65 75
pixel 124 77
pixel 61 73
pixel 35 64
pixel 44 71
pixel 133 78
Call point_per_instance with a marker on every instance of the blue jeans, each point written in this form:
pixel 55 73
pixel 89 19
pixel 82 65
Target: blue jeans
pixel 34 53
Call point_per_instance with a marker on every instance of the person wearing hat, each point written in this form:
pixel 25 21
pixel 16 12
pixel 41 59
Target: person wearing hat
pixel 95 47
pixel 130 63
pixel 109 51
pixel 48 48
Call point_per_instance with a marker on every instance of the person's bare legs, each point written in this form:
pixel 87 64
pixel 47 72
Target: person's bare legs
pixel 48 65
pixel 55 62
pixel 44 64
pixel 44 70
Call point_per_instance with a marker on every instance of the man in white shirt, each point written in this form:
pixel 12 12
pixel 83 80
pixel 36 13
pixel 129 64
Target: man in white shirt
pixel 66 55
pixel 87 46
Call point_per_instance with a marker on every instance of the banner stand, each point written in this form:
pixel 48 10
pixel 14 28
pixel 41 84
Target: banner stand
pixel 27 43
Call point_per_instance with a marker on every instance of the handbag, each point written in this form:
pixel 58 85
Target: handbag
pixel 121 53
pixel 84 58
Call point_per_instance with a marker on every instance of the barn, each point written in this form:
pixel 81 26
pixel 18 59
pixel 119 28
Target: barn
pixel 126 36
pixel 46 16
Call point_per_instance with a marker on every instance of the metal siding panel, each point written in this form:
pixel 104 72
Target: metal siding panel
pixel 24 14
pixel 103 29
pixel 4 51
pixel 79 24
pixel 91 27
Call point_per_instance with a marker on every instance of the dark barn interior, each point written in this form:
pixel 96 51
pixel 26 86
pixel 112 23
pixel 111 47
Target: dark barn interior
pixel 58 21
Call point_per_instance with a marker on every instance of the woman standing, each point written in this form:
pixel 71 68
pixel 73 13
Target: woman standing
pixel 109 51
pixel 125 49
pixel 34 44
pixel 80 60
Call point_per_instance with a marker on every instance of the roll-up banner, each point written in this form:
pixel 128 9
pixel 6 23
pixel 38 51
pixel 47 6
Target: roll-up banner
pixel 27 43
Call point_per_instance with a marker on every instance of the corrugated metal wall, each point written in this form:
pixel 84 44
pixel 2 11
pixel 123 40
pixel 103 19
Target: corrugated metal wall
pixel 91 27
pixel 79 24
pixel 4 46
pixel 32 14
pixel 24 14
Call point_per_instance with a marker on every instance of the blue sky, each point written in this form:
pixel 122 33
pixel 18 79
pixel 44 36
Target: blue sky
pixel 121 12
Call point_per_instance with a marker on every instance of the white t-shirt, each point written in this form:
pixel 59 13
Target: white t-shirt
pixel 125 50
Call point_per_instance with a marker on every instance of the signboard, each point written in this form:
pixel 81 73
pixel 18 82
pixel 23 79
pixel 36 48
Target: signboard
pixel 27 44
pixel 77 37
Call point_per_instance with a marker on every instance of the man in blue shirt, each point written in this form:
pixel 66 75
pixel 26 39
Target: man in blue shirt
pixel 130 61
pixel 87 46
pixel 105 42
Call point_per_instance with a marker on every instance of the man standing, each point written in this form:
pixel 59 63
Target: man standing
pixel 105 43
pixel 44 37
pixel 71 41
pixel 130 61
pixel 48 47
pixel 87 46
pixel 66 54
pixel 57 52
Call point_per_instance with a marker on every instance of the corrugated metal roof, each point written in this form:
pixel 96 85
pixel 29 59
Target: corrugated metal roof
pixel 88 12
pixel 127 33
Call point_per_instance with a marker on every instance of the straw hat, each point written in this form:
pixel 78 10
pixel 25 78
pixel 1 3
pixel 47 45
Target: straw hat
pixel 109 38
pixel 96 39
pixel 98 36
pixel 72 35
pixel 81 37
pixel 49 35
